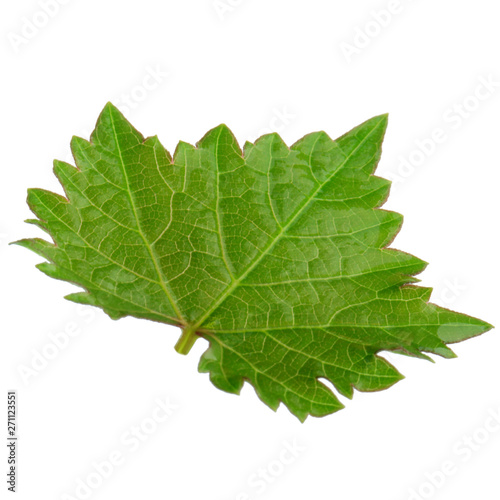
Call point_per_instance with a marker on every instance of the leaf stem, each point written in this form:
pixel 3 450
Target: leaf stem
pixel 186 341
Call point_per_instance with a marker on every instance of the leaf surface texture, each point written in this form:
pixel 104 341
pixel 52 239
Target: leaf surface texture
pixel 276 255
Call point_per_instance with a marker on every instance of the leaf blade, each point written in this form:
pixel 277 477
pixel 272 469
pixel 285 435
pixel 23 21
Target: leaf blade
pixel 276 255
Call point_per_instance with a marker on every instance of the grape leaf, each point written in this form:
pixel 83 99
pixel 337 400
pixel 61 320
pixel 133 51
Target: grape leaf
pixel 277 256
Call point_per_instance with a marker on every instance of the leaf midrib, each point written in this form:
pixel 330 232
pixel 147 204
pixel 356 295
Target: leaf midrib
pixel 194 327
pixel 163 283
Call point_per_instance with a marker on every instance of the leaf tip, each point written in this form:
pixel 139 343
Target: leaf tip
pixel 111 108
pixel 379 122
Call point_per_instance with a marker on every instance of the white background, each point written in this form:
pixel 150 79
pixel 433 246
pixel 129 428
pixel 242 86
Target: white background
pixel 252 64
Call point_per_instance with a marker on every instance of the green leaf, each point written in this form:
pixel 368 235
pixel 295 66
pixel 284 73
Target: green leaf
pixel 276 255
